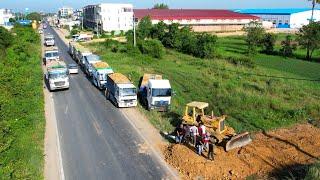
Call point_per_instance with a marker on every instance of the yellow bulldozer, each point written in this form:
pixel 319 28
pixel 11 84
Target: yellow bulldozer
pixel 225 135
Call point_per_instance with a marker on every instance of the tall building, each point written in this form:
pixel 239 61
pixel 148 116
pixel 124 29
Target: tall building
pixel 65 12
pixel 5 15
pixel 284 18
pixel 108 17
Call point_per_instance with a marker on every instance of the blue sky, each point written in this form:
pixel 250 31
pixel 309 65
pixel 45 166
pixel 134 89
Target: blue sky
pixel 53 5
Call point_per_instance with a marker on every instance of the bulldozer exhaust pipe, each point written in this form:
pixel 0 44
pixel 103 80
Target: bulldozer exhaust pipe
pixel 238 141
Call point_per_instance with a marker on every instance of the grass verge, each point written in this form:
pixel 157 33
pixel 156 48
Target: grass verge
pixel 22 119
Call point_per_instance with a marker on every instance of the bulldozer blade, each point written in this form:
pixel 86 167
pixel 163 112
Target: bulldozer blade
pixel 239 140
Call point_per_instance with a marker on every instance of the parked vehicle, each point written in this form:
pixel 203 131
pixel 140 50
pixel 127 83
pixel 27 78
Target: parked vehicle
pixel 50 54
pixel 121 91
pixel 155 92
pixel 82 37
pixel 57 75
pixel 49 40
pixel 88 61
pixel 73 69
pixel 100 72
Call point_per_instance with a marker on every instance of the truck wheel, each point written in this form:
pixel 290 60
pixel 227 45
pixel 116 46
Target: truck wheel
pixel 107 94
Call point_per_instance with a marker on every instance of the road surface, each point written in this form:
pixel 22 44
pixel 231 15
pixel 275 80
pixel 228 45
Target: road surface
pixel 96 139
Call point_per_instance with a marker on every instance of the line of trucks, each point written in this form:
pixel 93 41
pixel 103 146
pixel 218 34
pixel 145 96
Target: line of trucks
pixel 154 92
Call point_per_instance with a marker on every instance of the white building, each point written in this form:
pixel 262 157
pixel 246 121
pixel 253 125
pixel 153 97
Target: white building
pixel 5 15
pixel 65 12
pixel 108 17
pixel 284 18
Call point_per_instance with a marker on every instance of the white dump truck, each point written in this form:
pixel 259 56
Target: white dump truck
pixel 78 52
pixel 155 92
pixel 121 91
pixel 49 40
pixel 88 61
pixel 100 72
pixel 51 54
pixel 57 75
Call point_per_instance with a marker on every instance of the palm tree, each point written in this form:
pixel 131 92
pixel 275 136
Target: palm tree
pixel 314 2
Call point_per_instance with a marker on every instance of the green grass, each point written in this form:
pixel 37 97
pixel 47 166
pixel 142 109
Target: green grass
pixel 22 109
pixel 251 99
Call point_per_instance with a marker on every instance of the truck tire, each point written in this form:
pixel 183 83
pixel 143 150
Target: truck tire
pixel 107 94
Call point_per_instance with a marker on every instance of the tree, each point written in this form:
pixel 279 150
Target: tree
pixel 171 38
pixel 287 47
pixel 205 45
pixel 160 6
pixel 309 38
pixel 268 42
pixel 12 20
pixel 314 2
pixel 34 16
pixel 153 48
pixel 6 38
pixel 255 34
pixel 144 28
pixel 159 31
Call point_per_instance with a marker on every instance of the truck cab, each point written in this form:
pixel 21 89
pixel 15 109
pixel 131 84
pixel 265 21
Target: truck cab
pixel 155 92
pixel 88 61
pixel 100 72
pixel 49 40
pixel 51 54
pixel 57 75
pixel 121 91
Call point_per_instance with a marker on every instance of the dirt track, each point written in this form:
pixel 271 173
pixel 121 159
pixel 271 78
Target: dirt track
pixel 272 154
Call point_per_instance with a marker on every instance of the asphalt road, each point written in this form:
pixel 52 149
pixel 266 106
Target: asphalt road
pixel 97 141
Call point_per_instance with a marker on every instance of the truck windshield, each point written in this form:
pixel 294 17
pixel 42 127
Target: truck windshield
pixel 128 92
pixel 49 39
pixel 51 54
pixel 58 74
pixel 161 92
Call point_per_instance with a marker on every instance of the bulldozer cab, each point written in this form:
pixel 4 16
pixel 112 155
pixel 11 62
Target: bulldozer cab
pixel 194 112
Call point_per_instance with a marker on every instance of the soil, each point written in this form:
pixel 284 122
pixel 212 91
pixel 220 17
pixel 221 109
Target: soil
pixel 270 155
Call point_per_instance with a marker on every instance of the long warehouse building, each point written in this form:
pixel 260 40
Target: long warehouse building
pixel 201 20
pixel 284 18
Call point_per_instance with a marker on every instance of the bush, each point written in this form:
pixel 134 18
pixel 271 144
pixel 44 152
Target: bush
pixel 313 172
pixel 288 47
pixel 269 41
pixel 245 61
pixel 153 48
pixel 109 43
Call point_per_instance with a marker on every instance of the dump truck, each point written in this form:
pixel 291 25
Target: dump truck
pixel 78 53
pixel 100 72
pixel 49 40
pixel 216 126
pixel 121 91
pixel 88 61
pixel 57 75
pixel 51 54
pixel 155 92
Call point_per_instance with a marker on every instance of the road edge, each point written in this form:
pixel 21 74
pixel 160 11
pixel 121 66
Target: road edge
pixel 53 167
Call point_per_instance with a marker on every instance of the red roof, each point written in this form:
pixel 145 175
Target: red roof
pixel 178 14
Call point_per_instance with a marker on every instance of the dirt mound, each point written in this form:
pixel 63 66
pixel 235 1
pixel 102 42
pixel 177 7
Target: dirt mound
pixel 270 154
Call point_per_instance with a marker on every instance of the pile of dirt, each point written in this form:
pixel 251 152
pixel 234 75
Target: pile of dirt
pixel 270 154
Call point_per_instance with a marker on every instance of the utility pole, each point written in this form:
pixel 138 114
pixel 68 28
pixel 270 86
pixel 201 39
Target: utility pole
pixel 134 32
pixel 82 16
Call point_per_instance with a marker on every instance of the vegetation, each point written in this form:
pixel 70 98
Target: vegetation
pixel 287 47
pixel 172 36
pixel 160 6
pixel 309 38
pixel 154 48
pixel 21 106
pixel 253 98
pixel 34 16
pixel 255 35
pixel 313 172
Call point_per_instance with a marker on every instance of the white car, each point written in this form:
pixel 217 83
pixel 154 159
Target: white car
pixel 73 69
